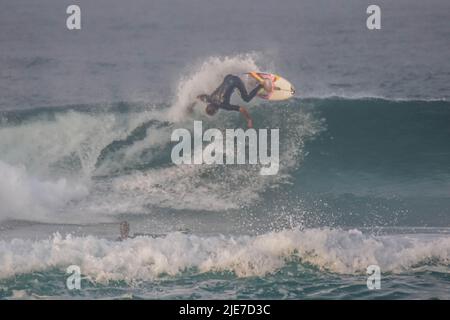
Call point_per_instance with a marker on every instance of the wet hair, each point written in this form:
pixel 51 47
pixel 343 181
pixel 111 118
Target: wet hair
pixel 211 109
pixel 203 97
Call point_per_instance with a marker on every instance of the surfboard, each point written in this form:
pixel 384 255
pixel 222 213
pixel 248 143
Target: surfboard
pixel 276 88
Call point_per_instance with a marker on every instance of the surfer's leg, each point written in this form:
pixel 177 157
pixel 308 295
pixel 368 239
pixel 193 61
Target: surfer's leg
pixel 247 97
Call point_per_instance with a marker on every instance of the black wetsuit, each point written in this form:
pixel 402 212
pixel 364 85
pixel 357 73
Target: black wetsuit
pixel 220 98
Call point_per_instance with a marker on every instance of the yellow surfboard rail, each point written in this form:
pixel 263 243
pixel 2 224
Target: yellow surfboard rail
pixel 257 77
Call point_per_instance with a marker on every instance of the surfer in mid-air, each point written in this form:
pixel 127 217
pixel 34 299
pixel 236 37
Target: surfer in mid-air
pixel 220 98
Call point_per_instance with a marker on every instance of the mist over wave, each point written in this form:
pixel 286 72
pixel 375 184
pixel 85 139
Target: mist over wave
pixel 26 197
pixel 121 152
pixel 205 78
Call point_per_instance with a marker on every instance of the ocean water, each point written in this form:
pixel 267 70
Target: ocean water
pixel 85 123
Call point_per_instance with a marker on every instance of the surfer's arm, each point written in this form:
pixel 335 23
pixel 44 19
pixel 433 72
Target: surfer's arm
pixel 242 110
pixel 247 117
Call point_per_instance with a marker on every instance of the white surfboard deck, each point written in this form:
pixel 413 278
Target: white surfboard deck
pixel 281 89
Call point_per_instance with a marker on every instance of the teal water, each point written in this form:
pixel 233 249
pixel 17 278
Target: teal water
pixel 85 125
pixel 368 188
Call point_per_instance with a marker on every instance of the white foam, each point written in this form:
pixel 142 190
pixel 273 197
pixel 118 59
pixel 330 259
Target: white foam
pixel 39 144
pixel 177 187
pixel 143 258
pixel 221 187
pixel 44 180
pixel 215 187
pixel 205 78
pixel 23 196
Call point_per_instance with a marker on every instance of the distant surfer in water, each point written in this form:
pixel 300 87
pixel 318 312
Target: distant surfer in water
pixel 220 98
pixel 124 229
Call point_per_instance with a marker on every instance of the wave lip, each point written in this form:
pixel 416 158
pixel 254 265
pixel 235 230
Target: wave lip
pixel 145 258
pixel 374 148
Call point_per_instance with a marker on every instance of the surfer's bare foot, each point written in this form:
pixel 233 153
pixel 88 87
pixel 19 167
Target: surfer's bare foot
pixel 267 84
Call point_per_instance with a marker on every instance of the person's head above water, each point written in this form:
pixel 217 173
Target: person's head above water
pixel 211 109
